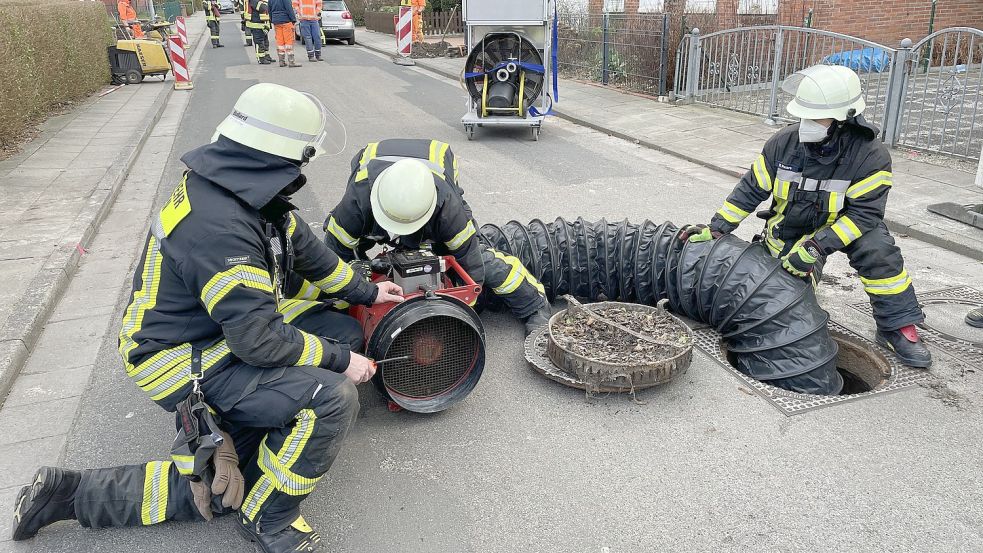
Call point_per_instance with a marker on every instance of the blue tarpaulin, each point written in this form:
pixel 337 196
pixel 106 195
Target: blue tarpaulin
pixel 866 59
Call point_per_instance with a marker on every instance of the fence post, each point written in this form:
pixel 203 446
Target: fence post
pixel 775 70
pixel 896 88
pixel 693 66
pixel 604 49
pixel 664 55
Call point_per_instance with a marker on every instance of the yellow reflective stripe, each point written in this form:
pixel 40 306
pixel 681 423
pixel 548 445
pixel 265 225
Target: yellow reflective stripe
pixel 155 491
pixel 869 184
pixel 285 480
pixel 367 155
pixel 288 455
pixel 293 308
pixel 313 351
pixel 760 169
pixel 432 156
pixel 180 376
pixel 456 172
pixel 775 244
pixel 834 206
pixel 292 226
pixel 337 280
pixel 341 234
pixel 732 213
pixel 887 286
pixel 307 291
pixel 185 464
pixel 144 299
pixel 846 230
pixel 516 275
pixel 442 148
pixel 462 237
pixel 222 283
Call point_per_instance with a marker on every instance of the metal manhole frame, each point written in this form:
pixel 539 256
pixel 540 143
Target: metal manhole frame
pixel 788 403
pixel 952 345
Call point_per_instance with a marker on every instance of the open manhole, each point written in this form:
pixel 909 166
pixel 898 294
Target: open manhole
pixel 863 370
pixel 868 370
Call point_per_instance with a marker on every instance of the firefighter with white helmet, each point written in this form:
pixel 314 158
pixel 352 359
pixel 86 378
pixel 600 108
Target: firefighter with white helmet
pixel 225 318
pixel 828 178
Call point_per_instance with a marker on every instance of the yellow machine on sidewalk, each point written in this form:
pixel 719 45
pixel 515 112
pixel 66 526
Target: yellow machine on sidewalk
pixel 131 60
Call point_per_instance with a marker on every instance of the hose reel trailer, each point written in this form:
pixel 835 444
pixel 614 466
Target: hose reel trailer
pixel 433 343
pixel 505 74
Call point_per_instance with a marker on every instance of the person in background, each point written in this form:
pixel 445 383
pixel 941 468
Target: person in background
pixel 128 17
pixel 283 18
pixel 258 24
pixel 212 17
pixel 309 12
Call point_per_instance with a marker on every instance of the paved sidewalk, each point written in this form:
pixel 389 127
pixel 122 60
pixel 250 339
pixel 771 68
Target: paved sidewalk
pixel 728 142
pixel 54 195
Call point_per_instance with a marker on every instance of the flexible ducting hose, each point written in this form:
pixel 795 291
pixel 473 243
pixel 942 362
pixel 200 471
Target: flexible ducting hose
pixel 771 321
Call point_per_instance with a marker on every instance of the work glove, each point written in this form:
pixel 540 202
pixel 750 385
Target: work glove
pixel 203 499
pixel 802 259
pixel 698 233
pixel 228 480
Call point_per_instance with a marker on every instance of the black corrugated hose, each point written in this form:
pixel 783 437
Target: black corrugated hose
pixel 771 320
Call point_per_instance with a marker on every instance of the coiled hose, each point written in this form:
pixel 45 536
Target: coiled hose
pixel 770 320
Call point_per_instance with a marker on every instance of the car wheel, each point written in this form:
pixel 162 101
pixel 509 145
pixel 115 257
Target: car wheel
pixel 351 41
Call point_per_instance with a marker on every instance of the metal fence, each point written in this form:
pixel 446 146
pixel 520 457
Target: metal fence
pixel 628 51
pixel 942 95
pixel 928 97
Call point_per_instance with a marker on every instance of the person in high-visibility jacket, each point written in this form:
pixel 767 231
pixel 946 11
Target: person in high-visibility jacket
pixel 128 17
pixel 213 17
pixel 418 7
pixel 405 193
pixel 243 7
pixel 309 14
pixel 258 24
pixel 230 287
pixel 828 178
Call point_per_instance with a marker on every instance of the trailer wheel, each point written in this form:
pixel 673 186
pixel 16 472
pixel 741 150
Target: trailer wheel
pixel 133 76
pixel 535 133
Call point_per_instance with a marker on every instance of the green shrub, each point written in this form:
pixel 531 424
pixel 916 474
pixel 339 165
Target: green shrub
pixel 52 52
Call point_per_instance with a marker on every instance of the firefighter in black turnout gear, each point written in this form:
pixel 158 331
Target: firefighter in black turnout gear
pixel 228 288
pixel 828 179
pixel 258 24
pixel 404 193
pixel 213 17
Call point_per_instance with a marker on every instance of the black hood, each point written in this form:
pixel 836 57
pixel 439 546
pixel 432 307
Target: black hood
pixel 861 126
pixel 845 133
pixel 254 176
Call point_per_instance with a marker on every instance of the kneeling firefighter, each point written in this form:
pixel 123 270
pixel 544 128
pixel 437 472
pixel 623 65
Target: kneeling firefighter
pixel 829 178
pixel 263 381
pixel 405 193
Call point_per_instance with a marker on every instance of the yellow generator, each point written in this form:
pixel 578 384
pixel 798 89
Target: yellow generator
pixel 132 60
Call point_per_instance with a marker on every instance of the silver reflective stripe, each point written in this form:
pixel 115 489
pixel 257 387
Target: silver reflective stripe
pixel 786 175
pixel 430 165
pixel 809 185
pixel 270 127
pixel 811 105
pixel 834 185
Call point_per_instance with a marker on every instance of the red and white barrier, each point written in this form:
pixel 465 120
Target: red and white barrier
pixel 179 64
pixel 182 30
pixel 404 32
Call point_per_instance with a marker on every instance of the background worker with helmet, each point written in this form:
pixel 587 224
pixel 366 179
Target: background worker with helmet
pixel 213 17
pixel 405 193
pixel 258 24
pixel 829 178
pixel 128 17
pixel 309 12
pixel 227 290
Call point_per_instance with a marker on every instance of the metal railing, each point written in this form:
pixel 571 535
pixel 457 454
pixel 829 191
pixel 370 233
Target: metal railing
pixel 628 51
pixel 926 96
pixel 941 102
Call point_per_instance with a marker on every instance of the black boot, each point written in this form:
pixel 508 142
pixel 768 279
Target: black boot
pixel 975 318
pixel 268 58
pixel 299 536
pixel 540 318
pixel 904 342
pixel 49 499
pixel 264 61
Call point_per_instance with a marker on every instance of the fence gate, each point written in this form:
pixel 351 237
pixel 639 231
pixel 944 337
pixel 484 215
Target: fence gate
pixel 942 99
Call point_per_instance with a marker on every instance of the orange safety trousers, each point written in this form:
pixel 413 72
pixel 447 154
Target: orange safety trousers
pixel 284 38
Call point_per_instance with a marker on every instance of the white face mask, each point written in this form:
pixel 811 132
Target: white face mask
pixel 811 131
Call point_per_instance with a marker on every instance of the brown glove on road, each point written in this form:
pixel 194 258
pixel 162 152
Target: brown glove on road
pixel 227 482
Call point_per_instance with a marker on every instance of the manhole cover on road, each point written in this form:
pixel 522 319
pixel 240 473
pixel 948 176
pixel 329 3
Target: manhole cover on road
pixel 944 326
pixel 897 376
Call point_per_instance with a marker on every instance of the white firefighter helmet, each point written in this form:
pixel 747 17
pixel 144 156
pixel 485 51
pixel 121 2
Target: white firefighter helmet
pixel 825 92
pixel 404 197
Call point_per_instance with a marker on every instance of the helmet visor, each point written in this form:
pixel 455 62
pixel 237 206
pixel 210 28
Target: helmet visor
pixel 332 136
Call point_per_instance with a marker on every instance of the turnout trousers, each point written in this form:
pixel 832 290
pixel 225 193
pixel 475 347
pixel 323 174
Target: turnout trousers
pixel 261 40
pixel 507 281
pixel 287 423
pixel 878 261
pixel 213 27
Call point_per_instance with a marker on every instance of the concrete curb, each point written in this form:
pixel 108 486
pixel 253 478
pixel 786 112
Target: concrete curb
pixel 892 224
pixel 20 332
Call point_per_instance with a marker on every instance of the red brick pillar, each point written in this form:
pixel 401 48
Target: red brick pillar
pixel 726 14
pixel 631 6
pixel 595 6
